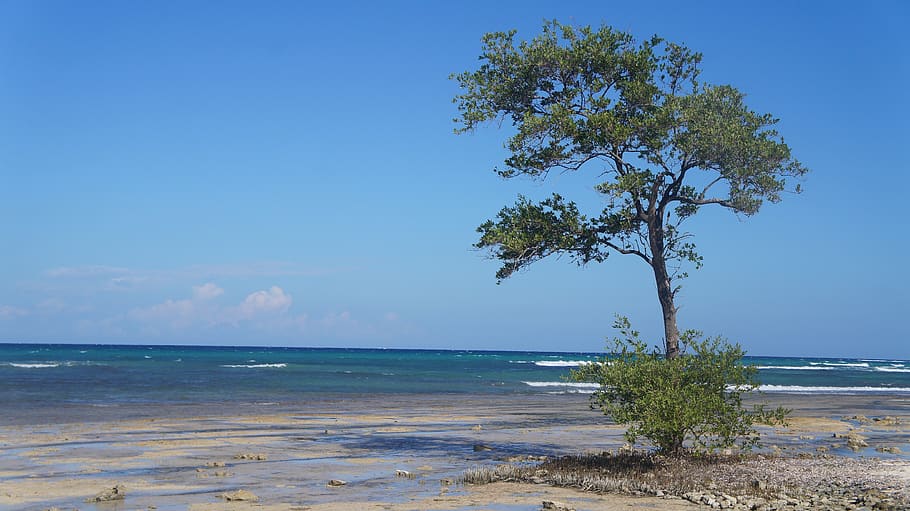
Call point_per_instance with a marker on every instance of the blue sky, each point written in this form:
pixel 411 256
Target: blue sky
pixel 282 173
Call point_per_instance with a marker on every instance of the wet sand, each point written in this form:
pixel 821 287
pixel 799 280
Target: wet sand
pixel 393 452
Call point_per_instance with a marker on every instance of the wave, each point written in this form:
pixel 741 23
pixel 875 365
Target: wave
pixel 565 387
pixel 840 364
pixel 33 366
pixel 797 368
pixel 797 389
pixel 577 385
pixel 562 363
pixel 254 366
pixel 893 369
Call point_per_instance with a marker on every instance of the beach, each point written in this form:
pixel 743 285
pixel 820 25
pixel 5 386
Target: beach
pixel 384 452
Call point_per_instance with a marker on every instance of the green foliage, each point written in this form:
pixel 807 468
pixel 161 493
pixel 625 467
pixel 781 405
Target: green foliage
pixel 661 143
pixel 696 397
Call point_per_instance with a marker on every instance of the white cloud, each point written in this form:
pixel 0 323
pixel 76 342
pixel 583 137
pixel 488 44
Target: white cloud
pixel 270 310
pixel 122 275
pixel 275 300
pixel 85 271
pixel 182 313
pixel 10 312
pixel 177 312
pixel 202 310
pixel 207 291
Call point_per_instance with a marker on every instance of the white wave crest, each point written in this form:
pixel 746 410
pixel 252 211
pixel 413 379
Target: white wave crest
pixel 796 389
pixel 562 363
pixel 893 369
pixel 570 384
pixel 840 364
pixel 254 366
pixel 33 366
pixel 797 368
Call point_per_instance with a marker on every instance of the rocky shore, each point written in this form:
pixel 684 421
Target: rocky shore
pixel 754 482
pixel 388 454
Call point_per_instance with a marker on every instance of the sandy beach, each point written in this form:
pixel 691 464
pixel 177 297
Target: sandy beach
pixel 390 453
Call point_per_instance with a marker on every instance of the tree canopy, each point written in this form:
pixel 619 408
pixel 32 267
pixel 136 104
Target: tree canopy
pixel 661 144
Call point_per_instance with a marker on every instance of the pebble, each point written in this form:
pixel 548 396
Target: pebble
pixel 556 506
pixel 116 493
pixel 239 496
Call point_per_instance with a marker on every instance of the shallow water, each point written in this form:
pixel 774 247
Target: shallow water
pixel 45 383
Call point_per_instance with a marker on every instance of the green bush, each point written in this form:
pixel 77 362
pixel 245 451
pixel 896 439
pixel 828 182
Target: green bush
pixel 691 402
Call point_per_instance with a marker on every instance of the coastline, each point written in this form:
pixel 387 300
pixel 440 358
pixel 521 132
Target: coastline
pixel 186 456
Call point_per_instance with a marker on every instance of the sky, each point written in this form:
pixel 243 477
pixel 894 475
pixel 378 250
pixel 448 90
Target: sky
pixel 286 173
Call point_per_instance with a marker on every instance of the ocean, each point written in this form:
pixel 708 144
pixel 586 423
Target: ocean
pixel 45 376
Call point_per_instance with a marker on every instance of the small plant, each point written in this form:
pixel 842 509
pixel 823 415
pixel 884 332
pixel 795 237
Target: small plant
pixel 696 396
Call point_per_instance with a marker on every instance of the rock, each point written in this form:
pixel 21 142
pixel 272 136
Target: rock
pixel 821 448
pixel 759 485
pixel 481 447
pixel 887 421
pixel 890 450
pixel 477 428
pixel 251 456
pixel 659 493
pixel 856 442
pixel 522 458
pixel 404 473
pixel 212 464
pixel 806 437
pixel 446 481
pixel 116 493
pixel 336 483
pixel 239 496
pixel 221 473
pixel 556 506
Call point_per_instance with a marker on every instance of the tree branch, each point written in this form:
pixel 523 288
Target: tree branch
pixel 627 251
pixel 709 185
pixel 701 202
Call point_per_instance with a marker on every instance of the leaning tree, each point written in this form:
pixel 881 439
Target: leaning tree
pixel 662 143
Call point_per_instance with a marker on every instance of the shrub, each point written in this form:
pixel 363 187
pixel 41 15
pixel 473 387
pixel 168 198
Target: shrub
pixel 695 397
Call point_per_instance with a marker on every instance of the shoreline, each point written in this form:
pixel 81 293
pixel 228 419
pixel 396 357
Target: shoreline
pixel 179 458
pixel 815 404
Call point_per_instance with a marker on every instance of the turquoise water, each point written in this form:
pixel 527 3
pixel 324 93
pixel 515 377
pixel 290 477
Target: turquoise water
pixel 45 375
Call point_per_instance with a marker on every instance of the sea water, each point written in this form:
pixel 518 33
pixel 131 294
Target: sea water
pixel 44 376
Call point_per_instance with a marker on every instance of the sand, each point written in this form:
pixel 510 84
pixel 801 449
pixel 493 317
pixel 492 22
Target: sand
pixel 286 455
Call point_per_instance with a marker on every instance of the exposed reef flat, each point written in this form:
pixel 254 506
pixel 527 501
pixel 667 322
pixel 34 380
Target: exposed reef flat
pixel 388 452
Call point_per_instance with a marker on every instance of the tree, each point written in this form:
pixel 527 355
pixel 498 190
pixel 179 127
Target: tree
pixel 695 397
pixel 664 144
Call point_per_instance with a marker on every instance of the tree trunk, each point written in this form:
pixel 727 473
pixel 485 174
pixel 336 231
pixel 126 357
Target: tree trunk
pixel 664 287
pixel 665 295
